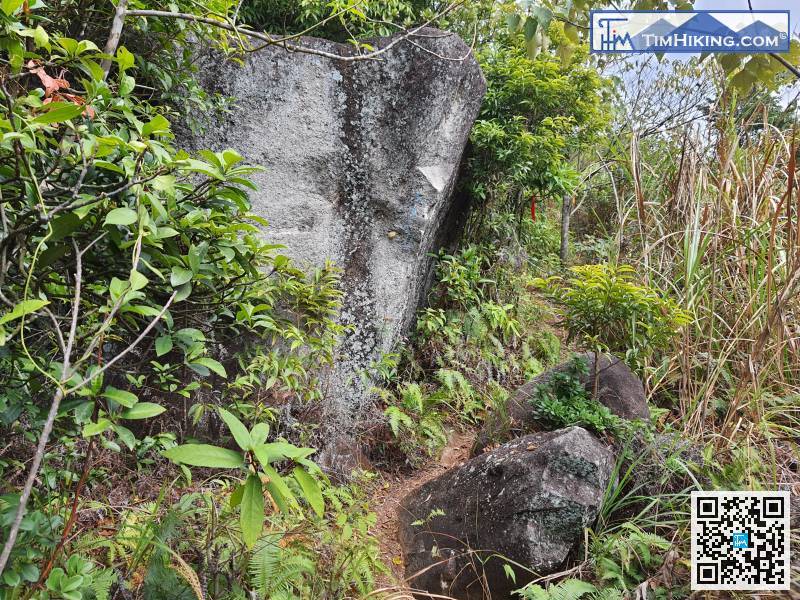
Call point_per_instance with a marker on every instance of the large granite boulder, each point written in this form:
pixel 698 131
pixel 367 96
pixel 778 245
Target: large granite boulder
pixel 361 160
pixel 527 501
pixel 618 388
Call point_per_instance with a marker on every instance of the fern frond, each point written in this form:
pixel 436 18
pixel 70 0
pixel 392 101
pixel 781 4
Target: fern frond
pixel 569 589
pixel 101 583
pixel 275 571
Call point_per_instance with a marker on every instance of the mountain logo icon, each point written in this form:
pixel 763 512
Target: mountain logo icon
pixel 689 31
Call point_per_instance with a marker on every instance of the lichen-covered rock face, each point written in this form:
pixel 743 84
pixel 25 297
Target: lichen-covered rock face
pixel 361 160
pixel 527 501
pixel 618 388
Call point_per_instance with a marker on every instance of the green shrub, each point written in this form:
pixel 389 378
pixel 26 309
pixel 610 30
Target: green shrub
pixel 563 401
pixel 416 420
pixel 546 346
pixel 629 556
pixel 606 311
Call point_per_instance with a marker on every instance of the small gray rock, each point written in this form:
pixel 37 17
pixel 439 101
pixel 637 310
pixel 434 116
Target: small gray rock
pixel 528 501
pixel 619 388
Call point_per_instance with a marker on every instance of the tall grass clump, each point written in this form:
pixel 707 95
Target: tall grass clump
pixel 711 215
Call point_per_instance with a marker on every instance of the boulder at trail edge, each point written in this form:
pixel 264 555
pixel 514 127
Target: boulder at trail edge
pixel 361 160
pixel 527 501
pixel 619 388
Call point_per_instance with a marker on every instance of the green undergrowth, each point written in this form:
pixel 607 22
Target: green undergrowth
pixel 484 334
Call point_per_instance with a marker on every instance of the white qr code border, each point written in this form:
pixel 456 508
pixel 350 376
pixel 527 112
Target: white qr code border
pixel 785 581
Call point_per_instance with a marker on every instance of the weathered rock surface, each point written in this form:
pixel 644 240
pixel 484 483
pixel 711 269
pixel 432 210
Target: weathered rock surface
pixel 361 160
pixel 619 389
pixel 528 500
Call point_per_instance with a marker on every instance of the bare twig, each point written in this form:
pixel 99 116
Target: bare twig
pixel 130 347
pixel 48 424
pixel 116 32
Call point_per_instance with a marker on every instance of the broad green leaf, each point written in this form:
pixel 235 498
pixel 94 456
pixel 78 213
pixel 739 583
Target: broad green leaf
pixel 311 490
pixel 512 22
pixel 530 28
pixel 58 112
pixel 137 280
pixel 205 455
pixel 11 578
pixel 198 166
pixel 180 276
pixel 163 344
pixel 126 85
pixel 212 365
pixel 63 226
pixel 108 166
pixel 184 291
pixel 121 216
pixel 252 507
pixel 95 428
pixel 231 157
pixel 199 369
pixel 69 44
pixel 571 32
pixel 238 430
pixel 543 16
pixel 269 453
pixel 126 435
pixel 743 81
pixel 26 307
pixel 236 496
pixel 194 259
pixel 157 125
pixel 40 37
pixel 278 489
pixel 143 410
pixel 125 59
pixel 30 572
pixel 121 397
pixel 259 433
pixel 10 6
pixel 94 69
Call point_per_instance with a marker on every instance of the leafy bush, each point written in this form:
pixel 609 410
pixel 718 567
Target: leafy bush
pixel 257 458
pixel 606 311
pixel 369 18
pixel 563 401
pixel 536 112
pixel 629 556
pixel 416 420
pixel 569 589
pixel 139 283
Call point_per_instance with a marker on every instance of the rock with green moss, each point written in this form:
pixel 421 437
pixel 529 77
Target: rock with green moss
pixel 618 389
pixel 524 503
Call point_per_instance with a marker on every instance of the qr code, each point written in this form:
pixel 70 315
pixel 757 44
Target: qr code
pixel 740 541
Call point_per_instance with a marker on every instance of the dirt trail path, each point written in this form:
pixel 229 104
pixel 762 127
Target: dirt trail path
pixel 386 500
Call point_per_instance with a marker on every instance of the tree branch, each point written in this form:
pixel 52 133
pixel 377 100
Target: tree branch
pixel 113 37
pixel 283 42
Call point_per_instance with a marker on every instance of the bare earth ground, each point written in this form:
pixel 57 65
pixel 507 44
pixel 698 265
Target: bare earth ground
pixel 395 487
